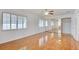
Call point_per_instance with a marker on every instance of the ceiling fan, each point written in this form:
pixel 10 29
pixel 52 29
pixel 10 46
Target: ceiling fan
pixel 49 12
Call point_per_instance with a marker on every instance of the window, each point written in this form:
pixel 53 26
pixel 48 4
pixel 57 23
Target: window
pixel 6 21
pixel 52 23
pixel 41 23
pixel 11 21
pixel 46 23
pixel 24 22
pixel 20 22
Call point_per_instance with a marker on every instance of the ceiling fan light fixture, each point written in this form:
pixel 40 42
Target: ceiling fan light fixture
pixel 46 13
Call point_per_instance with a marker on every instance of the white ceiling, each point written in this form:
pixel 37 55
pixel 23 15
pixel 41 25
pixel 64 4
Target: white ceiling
pixel 39 11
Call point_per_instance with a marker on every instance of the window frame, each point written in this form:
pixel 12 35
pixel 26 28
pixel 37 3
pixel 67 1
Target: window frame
pixel 16 22
pixel 11 21
pixel 26 23
pixel 46 23
pixel 22 22
pixel 41 20
pixel 3 23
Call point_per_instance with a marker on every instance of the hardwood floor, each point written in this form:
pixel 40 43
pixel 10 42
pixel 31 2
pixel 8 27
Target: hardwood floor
pixel 42 41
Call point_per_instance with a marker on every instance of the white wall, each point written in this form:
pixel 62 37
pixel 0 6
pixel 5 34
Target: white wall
pixel 33 28
pixel 77 25
pixel 77 34
pixel 73 23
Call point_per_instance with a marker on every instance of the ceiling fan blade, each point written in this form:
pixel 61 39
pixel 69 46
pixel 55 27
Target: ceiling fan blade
pixel 51 13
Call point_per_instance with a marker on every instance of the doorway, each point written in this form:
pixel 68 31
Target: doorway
pixel 66 25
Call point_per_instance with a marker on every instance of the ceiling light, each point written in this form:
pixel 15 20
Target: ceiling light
pixel 46 13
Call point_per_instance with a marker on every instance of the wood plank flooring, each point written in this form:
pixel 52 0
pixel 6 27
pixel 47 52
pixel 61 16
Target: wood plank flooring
pixel 42 41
